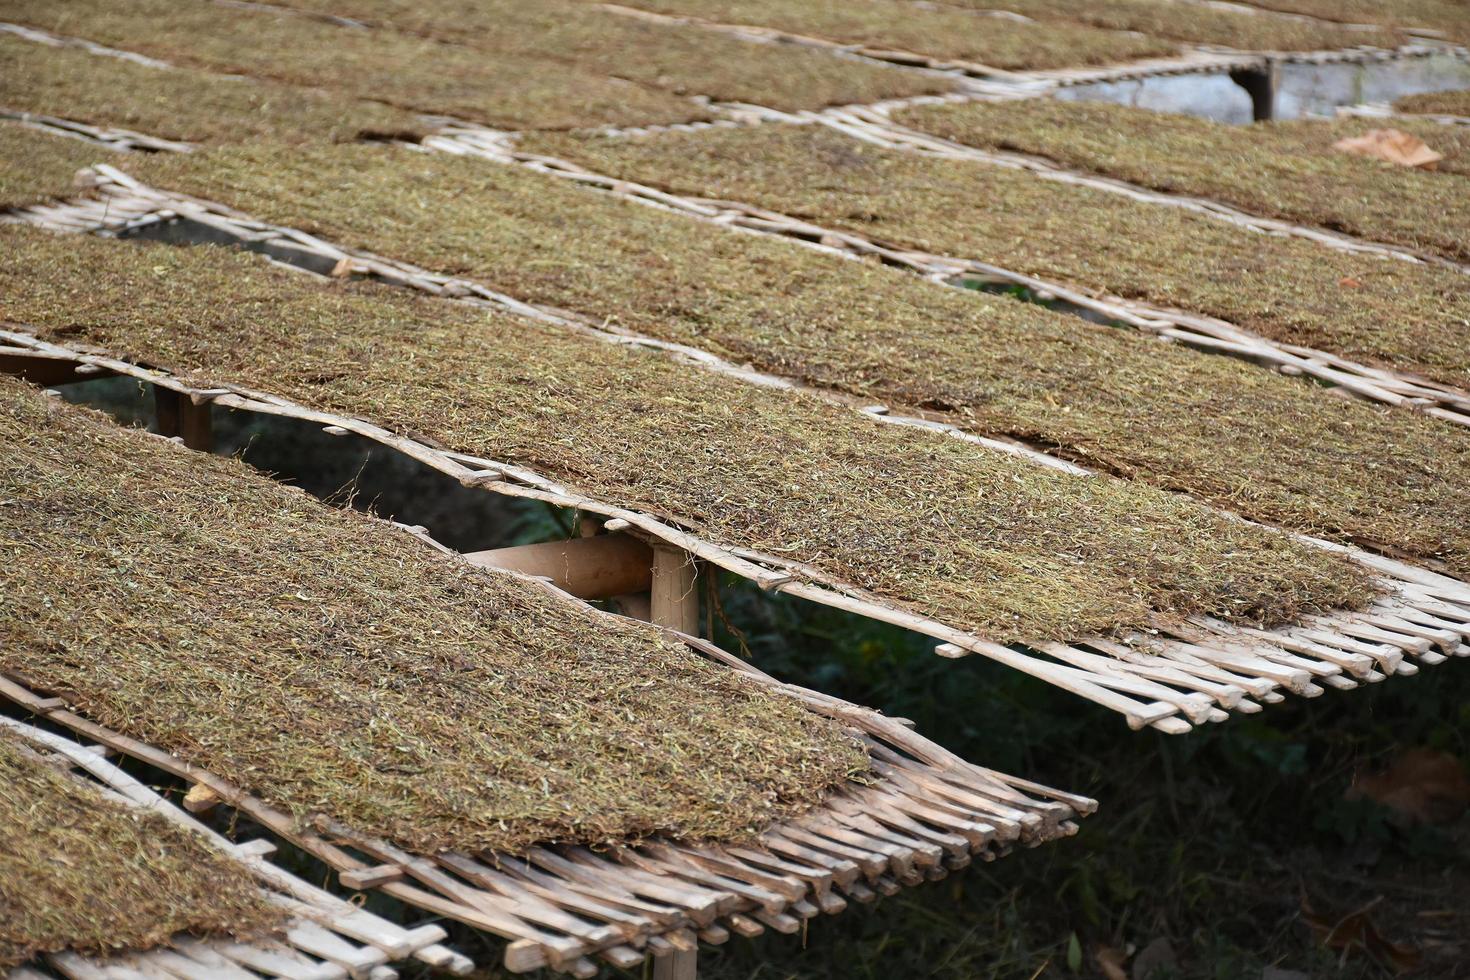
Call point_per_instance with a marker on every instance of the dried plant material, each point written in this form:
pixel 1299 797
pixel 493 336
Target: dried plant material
pixel 1355 934
pixel 83 873
pixel 976 538
pixel 522 85
pixel 677 58
pixel 1455 102
pixel 1197 23
pixel 1445 16
pixel 183 104
pixel 36 165
pixel 1268 447
pixel 1421 786
pixel 936 30
pixel 1391 146
pixel 1286 170
pixel 511 90
pixel 330 665
pixel 1408 317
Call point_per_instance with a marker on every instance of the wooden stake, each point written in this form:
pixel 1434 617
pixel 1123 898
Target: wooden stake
pixel 166 410
pixel 674 595
pixel 196 425
pixel 681 964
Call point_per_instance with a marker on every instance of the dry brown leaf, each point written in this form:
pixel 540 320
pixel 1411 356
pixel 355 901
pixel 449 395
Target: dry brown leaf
pixel 1356 934
pixel 1422 786
pixel 1392 146
pixel 1111 962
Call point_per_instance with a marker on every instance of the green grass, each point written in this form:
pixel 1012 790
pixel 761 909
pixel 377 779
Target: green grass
pixel 1454 103
pixel 1269 447
pixel 85 873
pixel 36 166
pixel 1447 16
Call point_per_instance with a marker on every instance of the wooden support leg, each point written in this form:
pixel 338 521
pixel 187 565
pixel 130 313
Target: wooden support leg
pixel 177 415
pixel 679 965
pixel 166 410
pixel 675 594
pixel 196 424
pixel 1260 84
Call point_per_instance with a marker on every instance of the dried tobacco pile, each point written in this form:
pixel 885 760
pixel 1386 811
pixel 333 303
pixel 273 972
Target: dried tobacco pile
pixel 681 59
pixel 1452 103
pixel 183 104
pixel 1392 314
pixel 1268 447
pixel 1285 170
pixel 1196 23
pixel 332 665
pixel 934 30
pixel 36 166
pixel 511 90
pixel 1445 16
pixel 80 872
pixel 975 537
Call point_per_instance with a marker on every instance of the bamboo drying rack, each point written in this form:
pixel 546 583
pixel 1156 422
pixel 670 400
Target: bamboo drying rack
pixel 324 938
pixel 926 813
pixel 1177 676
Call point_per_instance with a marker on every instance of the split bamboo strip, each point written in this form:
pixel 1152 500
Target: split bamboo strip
pixel 1284 170
pixel 321 936
pixel 771 572
pixel 1392 314
pixel 989 365
pixel 559 903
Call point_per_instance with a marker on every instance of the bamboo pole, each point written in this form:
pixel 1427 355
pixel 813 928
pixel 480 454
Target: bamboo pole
pixel 599 567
